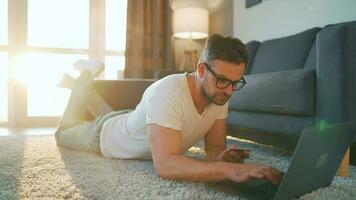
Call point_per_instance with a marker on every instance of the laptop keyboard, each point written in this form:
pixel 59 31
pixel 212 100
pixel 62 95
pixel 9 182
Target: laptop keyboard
pixel 258 188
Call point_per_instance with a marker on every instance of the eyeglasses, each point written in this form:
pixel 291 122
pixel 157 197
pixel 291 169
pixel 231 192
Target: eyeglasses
pixel 223 83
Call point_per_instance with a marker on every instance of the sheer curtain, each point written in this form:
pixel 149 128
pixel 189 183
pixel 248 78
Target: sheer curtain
pixel 148 38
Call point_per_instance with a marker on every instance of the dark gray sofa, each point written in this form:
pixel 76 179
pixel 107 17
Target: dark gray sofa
pixel 295 82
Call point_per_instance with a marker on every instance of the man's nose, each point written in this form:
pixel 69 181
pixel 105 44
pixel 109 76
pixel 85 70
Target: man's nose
pixel 229 90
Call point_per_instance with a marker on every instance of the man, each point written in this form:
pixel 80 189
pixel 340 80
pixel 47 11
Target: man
pixel 173 114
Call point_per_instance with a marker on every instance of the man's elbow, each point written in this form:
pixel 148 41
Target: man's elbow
pixel 163 170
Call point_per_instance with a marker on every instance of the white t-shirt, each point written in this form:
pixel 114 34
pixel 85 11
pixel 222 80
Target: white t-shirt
pixel 168 103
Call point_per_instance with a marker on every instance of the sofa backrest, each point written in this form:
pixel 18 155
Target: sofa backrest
pixel 311 60
pixel 252 48
pixel 291 52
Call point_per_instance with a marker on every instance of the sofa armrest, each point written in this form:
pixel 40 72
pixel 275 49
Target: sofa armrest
pixel 122 94
pixel 336 70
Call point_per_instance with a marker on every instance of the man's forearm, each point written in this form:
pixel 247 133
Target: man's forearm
pixel 183 168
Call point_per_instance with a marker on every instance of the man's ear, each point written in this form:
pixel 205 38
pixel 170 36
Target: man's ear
pixel 201 70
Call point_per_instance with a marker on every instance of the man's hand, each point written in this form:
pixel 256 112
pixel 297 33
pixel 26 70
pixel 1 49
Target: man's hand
pixel 232 155
pixel 215 145
pixel 244 172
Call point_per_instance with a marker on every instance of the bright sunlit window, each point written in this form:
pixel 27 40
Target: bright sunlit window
pixel 44 98
pixel 58 23
pixel 49 39
pixel 114 67
pixel 115 38
pixel 116 25
pixel 3 87
pixel 3 61
pixel 3 22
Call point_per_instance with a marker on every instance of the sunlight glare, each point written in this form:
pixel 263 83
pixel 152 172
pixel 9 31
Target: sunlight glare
pixel 3 87
pixel 116 11
pixel 4 132
pixel 40 73
pixel 63 23
pixel 114 67
pixel 3 22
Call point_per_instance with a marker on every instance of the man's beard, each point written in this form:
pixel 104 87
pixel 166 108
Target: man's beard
pixel 218 98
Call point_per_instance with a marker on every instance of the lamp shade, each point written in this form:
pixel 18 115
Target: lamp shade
pixel 191 23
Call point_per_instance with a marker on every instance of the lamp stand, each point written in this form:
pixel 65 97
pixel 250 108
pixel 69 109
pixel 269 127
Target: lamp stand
pixel 189 58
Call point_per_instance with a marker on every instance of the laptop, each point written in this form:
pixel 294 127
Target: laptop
pixel 314 164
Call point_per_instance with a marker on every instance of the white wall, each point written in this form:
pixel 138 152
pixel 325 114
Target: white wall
pixel 221 15
pixel 277 18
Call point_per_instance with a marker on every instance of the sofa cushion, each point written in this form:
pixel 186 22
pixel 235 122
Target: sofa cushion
pixel 251 53
pixel 285 92
pixel 284 53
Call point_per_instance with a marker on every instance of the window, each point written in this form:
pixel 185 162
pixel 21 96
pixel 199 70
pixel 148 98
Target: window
pixel 58 23
pixel 58 33
pixel 115 43
pixel 3 87
pixel 3 22
pixel 3 61
pixel 41 72
pixel 114 67
pixel 115 35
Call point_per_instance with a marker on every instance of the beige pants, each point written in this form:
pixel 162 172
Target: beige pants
pixel 73 131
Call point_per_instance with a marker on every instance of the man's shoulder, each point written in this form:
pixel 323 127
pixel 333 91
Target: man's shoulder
pixel 173 78
pixel 169 84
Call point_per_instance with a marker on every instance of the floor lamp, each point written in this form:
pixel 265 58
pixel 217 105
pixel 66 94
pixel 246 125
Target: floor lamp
pixel 190 23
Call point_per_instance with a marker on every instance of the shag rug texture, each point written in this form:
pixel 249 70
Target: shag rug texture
pixel 34 167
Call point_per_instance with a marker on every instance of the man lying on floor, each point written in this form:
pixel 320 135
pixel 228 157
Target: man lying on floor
pixel 173 114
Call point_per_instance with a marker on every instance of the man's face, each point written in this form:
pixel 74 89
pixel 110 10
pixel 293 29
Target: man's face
pixel 223 70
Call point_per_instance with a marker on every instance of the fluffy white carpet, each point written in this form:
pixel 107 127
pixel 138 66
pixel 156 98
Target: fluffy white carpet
pixel 33 167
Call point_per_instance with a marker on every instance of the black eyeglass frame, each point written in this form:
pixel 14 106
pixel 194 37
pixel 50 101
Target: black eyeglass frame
pixel 230 82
